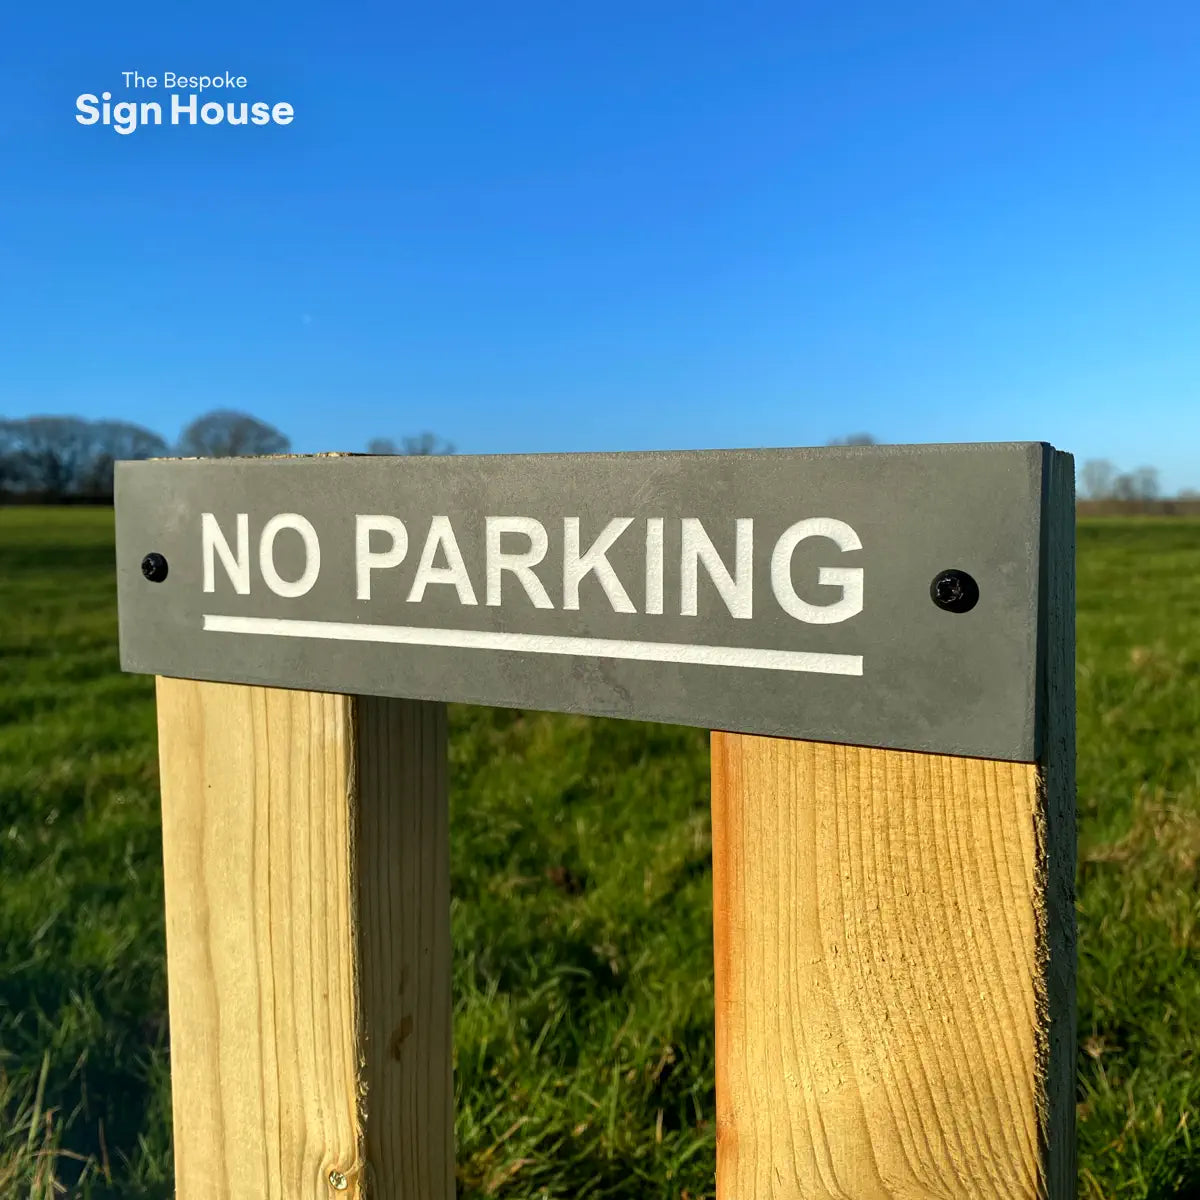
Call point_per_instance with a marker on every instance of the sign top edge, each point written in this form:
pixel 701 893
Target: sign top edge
pixel 877 450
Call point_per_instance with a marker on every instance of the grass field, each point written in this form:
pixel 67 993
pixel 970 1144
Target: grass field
pixel 582 904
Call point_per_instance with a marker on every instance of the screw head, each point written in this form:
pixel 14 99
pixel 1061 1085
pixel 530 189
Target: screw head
pixel 954 591
pixel 338 1181
pixel 154 567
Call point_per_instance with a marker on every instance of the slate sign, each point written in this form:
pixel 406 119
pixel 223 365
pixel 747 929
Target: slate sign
pixel 782 592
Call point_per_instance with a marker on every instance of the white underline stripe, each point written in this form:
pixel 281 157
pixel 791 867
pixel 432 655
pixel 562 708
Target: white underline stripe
pixel 538 643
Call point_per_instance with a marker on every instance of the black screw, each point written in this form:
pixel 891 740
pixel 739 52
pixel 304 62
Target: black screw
pixel 955 591
pixel 154 567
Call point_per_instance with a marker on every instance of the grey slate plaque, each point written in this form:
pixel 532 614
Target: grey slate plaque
pixel 782 592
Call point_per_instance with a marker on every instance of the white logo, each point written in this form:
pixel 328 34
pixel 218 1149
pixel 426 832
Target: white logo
pixel 184 106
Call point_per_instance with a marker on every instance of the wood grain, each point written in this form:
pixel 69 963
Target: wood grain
pixel 299 1066
pixel 403 867
pixel 895 952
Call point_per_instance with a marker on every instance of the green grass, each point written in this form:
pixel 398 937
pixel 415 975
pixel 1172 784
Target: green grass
pixel 1139 857
pixel 582 904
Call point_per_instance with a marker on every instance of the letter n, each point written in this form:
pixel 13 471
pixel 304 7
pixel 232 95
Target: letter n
pixel 215 546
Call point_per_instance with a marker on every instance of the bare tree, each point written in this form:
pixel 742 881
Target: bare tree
pixel 48 454
pixel 1124 487
pixel 228 434
pixel 65 456
pixel 422 444
pixel 1145 483
pixel 12 465
pixel 425 443
pixel 114 441
pixel 1098 477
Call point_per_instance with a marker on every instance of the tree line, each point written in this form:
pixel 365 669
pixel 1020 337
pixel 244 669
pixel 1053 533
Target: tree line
pixel 61 458
pixel 1099 479
pixel 64 458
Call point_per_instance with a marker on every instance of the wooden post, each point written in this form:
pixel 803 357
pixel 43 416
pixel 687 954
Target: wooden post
pixel 895 954
pixel 305 850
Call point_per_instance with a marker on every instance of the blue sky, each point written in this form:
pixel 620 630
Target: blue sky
pixel 547 226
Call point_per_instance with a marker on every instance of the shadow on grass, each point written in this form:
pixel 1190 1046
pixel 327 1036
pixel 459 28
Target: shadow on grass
pixel 1183 1182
